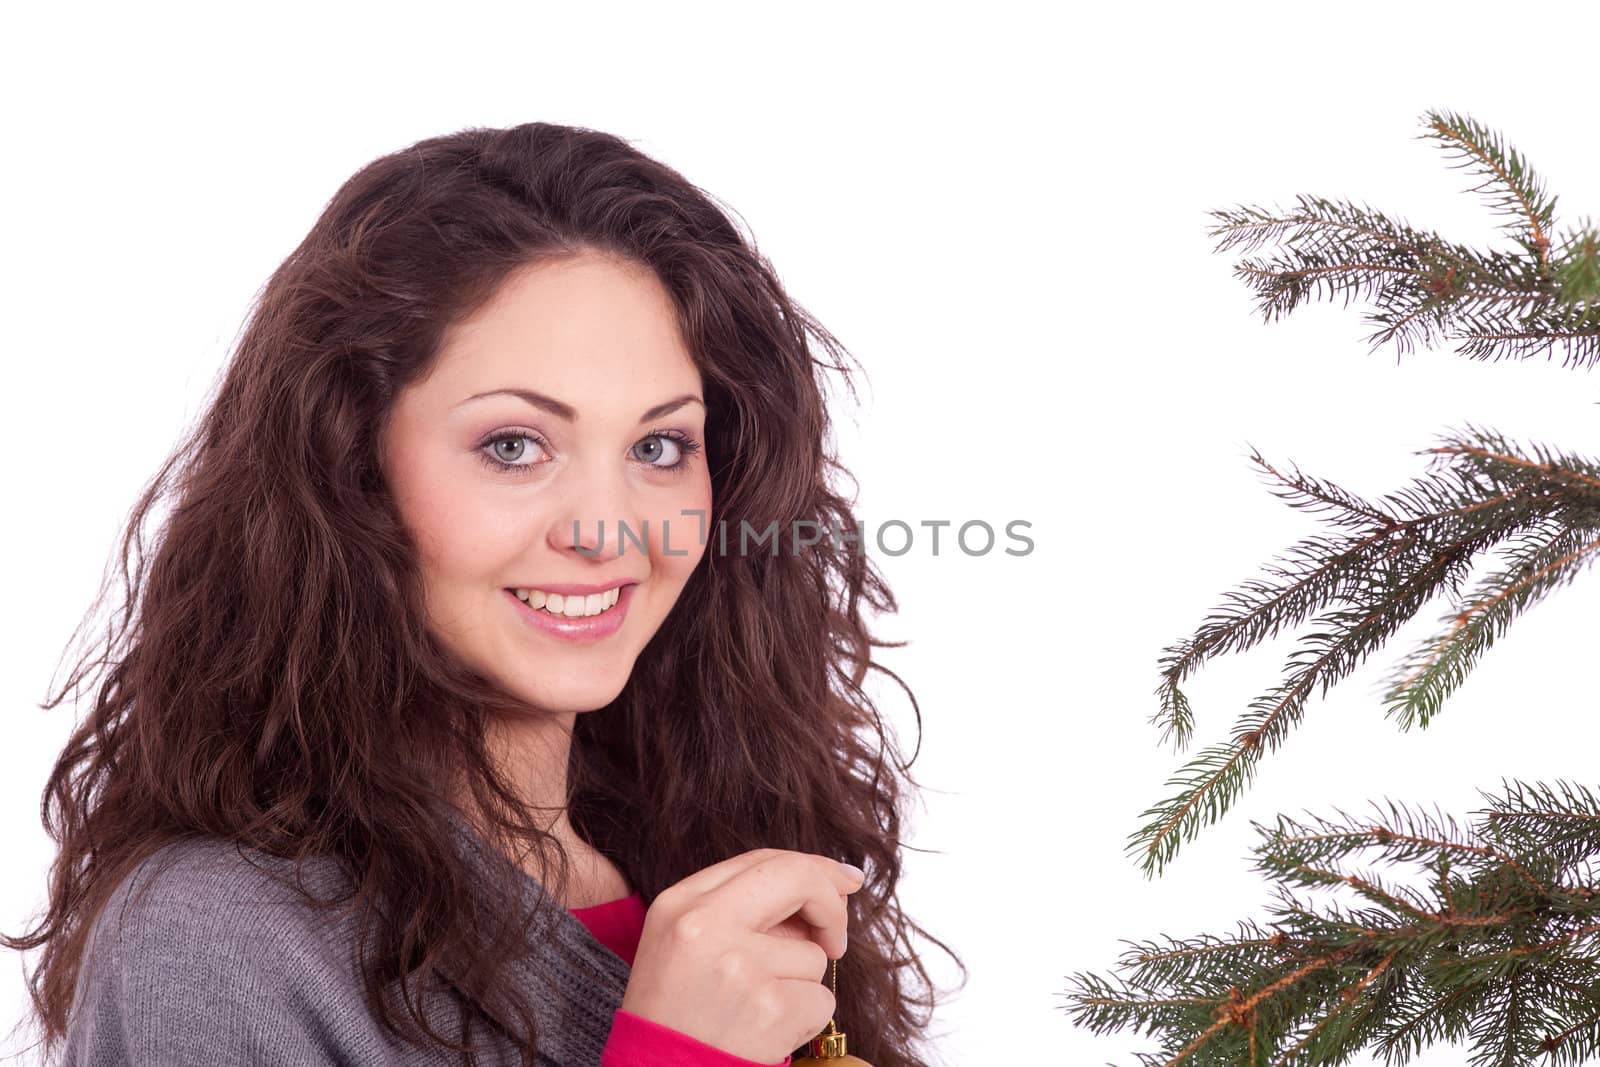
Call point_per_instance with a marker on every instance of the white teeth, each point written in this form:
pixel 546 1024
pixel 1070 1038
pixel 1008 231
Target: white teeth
pixel 571 607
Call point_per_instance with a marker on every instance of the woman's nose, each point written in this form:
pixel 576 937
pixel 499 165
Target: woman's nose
pixel 598 517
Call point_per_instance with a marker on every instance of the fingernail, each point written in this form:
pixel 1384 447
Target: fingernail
pixel 861 876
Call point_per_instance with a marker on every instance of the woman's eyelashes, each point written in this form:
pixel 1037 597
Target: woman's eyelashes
pixel 679 448
pixel 682 448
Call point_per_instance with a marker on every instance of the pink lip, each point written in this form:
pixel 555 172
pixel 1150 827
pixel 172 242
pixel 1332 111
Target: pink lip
pixel 580 629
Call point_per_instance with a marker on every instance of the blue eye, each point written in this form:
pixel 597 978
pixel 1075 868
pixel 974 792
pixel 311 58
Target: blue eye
pixel 509 437
pixel 681 447
pixel 495 458
pixel 682 444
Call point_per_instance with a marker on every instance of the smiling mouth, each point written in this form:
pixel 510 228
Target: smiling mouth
pixel 570 607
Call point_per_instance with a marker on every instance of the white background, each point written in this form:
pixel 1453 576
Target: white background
pixel 1001 211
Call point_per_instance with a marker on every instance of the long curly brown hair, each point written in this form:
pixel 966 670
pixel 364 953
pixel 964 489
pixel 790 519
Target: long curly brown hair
pixel 272 680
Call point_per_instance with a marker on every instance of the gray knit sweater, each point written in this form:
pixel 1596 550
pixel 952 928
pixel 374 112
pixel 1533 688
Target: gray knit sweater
pixel 210 961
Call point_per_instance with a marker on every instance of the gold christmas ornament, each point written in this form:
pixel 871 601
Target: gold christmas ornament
pixel 828 1048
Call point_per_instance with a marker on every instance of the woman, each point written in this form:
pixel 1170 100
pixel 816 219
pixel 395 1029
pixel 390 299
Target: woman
pixel 490 685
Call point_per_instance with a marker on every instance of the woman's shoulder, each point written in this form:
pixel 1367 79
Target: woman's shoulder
pixel 201 892
pixel 207 950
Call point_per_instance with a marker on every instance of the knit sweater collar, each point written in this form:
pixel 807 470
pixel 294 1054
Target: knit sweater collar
pixel 572 981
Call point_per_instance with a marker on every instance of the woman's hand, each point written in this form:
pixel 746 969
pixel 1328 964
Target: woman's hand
pixel 734 954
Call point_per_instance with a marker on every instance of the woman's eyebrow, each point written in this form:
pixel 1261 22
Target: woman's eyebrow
pixel 570 413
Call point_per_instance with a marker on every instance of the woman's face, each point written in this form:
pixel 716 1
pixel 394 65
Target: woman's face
pixel 612 430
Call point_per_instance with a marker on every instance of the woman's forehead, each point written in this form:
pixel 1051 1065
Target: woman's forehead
pixel 589 333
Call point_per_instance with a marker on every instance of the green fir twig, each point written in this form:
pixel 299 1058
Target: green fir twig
pixel 1498 945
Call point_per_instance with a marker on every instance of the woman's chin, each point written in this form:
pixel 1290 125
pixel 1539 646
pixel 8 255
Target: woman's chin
pixel 589 694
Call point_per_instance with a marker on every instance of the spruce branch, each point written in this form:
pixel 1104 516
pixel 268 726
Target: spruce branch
pixel 1495 946
pixel 1566 539
pixel 1577 269
pixel 1563 824
pixel 1541 561
pixel 1319 570
pixel 1424 289
pixel 1395 555
pixel 1510 183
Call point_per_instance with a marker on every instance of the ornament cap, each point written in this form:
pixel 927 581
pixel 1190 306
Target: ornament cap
pixel 826 1046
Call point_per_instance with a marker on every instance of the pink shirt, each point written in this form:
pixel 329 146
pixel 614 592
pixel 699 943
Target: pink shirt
pixel 636 1041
